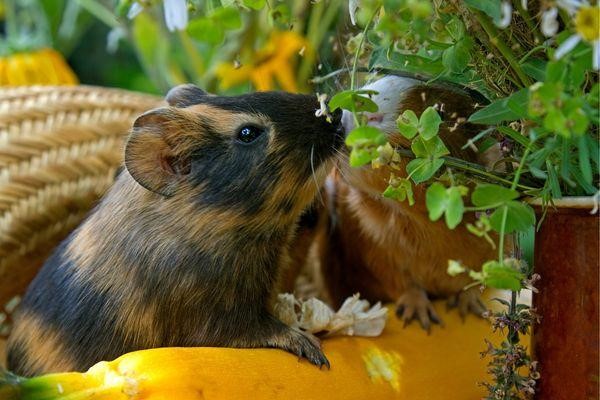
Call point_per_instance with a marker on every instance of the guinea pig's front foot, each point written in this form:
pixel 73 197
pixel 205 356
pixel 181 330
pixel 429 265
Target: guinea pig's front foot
pixel 302 344
pixel 414 304
pixel 467 301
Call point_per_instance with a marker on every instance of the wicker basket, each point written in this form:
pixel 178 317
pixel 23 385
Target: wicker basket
pixel 60 148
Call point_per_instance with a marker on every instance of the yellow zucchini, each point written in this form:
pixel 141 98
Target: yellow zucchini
pixel 400 364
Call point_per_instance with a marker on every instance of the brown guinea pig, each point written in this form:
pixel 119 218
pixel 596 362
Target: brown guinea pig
pixel 388 250
pixel 187 247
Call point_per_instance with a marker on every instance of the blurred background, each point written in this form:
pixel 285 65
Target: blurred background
pixel 229 46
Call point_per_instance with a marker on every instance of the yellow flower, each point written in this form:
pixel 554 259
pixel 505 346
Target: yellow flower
pixel 40 67
pixel 273 62
pixel 587 27
pixel 587 23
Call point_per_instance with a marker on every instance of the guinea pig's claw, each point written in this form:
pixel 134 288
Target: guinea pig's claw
pixel 468 301
pixel 414 304
pixel 304 345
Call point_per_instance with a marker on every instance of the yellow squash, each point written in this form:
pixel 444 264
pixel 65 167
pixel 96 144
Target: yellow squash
pixel 400 364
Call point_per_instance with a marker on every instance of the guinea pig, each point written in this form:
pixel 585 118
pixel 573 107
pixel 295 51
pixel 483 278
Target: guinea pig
pixel 388 250
pixel 187 247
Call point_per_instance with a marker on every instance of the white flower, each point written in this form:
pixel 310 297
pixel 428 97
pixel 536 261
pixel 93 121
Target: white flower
pixel 567 46
pixel 596 55
pixel 176 14
pixel 353 5
pixel 549 25
pixel 571 6
pixel 506 16
pixel 135 9
pixel 587 27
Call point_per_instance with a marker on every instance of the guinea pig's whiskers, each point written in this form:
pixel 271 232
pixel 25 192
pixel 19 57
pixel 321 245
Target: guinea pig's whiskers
pixel 312 168
pixel 341 171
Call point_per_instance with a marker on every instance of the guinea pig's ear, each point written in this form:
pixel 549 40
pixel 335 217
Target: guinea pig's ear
pixel 156 153
pixel 185 95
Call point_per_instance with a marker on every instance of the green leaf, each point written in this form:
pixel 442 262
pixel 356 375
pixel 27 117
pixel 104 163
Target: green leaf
pixel 556 71
pixel 489 194
pixel 440 200
pixel 454 208
pixel 353 101
pixel 281 13
pixel 519 217
pixel 365 136
pixel 535 68
pixel 363 103
pixel 553 180
pixel 456 58
pixel 342 100
pixel 406 62
pixel 514 135
pixel 229 17
pixel 578 121
pixel 206 30
pixel 498 111
pixel 490 7
pixel 401 192
pixel 360 157
pixel 435 200
pixel 556 122
pixel 429 123
pixel 434 147
pixel 408 124
pixel 455 28
pixel 254 4
pixel 501 276
pixel 421 169
pixel 584 160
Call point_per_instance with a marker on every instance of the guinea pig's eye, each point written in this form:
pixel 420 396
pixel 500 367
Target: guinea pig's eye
pixel 249 134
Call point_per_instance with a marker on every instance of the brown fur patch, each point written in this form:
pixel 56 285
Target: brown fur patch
pixel 42 347
pixel 380 247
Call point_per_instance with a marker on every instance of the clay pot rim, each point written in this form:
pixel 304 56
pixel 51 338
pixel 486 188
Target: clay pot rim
pixel 579 202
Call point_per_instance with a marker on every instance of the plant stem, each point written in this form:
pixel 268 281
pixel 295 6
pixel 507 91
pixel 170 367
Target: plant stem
pixel 100 12
pixel 469 167
pixel 494 37
pixel 502 233
pixel 195 61
pixel 307 62
pixel 360 45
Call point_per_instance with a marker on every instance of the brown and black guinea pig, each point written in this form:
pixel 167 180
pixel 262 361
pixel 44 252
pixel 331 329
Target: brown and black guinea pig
pixel 187 247
pixel 388 250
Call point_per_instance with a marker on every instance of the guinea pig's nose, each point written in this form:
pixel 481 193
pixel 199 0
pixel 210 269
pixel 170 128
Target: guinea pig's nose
pixel 337 117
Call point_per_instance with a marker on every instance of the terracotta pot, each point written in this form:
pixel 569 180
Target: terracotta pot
pixel 567 339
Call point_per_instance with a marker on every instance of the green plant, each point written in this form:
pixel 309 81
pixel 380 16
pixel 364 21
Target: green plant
pixel 543 108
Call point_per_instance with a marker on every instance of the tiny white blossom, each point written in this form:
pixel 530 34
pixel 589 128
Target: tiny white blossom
pixel 135 9
pixel 549 25
pixel 352 7
pixel 571 6
pixel 567 46
pixel 596 54
pixel 176 14
pixel 506 15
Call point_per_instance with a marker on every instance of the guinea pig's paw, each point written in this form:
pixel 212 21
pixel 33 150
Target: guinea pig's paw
pixel 302 344
pixel 467 301
pixel 414 303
